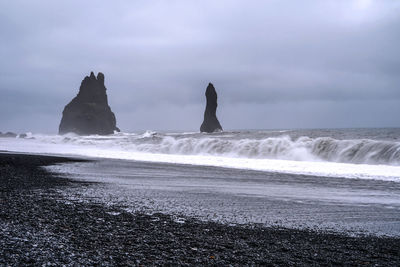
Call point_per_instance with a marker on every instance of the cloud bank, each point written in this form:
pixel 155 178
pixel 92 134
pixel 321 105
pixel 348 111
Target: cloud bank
pixel 275 64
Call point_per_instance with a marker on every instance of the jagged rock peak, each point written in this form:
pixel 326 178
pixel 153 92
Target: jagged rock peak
pixel 210 92
pixel 89 112
pixel 211 123
pixel 100 78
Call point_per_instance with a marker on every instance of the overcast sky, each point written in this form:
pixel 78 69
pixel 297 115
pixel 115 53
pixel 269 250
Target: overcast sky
pixel 274 64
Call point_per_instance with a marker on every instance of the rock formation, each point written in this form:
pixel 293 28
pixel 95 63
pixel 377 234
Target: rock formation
pixel 89 112
pixel 211 123
pixel 8 135
pixel 23 135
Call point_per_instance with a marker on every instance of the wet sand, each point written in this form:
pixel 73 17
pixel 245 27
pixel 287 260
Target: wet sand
pixel 233 196
pixel 40 225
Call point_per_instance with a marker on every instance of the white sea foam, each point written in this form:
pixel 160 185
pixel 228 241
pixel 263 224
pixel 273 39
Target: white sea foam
pixel 363 151
pixel 274 154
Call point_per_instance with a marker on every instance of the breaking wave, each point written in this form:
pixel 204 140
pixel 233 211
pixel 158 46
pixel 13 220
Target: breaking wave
pixel 280 147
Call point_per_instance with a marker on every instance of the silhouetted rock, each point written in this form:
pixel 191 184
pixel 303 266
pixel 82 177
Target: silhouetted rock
pixel 24 135
pixel 211 123
pixel 8 135
pixel 89 112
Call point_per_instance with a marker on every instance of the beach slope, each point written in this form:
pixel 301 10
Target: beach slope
pixel 39 226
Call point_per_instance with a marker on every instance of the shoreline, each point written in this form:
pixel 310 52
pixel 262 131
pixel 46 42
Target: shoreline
pixel 128 147
pixel 38 226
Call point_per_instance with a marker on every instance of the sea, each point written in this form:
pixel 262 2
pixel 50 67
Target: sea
pixel 341 180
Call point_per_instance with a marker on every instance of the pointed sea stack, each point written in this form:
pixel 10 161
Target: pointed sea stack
pixel 211 123
pixel 89 112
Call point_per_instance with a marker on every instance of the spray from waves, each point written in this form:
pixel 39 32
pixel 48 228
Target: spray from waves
pixel 357 151
pixel 280 147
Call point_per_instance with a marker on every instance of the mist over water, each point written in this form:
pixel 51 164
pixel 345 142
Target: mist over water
pixel 368 146
pixel 350 153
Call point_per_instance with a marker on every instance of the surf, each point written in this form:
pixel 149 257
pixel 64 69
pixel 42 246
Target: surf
pixel 321 156
pixel 284 147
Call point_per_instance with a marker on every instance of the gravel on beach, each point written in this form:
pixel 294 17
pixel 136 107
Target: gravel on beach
pixel 39 227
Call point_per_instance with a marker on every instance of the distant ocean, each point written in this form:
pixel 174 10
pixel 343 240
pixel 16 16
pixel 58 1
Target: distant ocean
pixel 332 179
pixel 349 153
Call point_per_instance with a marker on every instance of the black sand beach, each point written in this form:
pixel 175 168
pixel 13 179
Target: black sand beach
pixel 38 226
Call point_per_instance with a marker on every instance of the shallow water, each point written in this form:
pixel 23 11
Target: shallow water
pixel 354 206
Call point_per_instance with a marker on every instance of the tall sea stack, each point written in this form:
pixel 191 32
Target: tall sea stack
pixel 89 112
pixel 211 123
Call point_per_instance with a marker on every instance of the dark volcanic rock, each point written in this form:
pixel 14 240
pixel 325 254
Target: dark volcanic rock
pixel 211 123
pixel 41 226
pixel 8 134
pixel 89 112
pixel 23 135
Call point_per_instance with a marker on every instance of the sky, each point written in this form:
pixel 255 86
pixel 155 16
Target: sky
pixel 275 64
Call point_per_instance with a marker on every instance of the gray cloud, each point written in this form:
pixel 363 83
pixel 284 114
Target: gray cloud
pixel 272 62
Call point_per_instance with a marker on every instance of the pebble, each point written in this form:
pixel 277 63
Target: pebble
pixel 38 228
